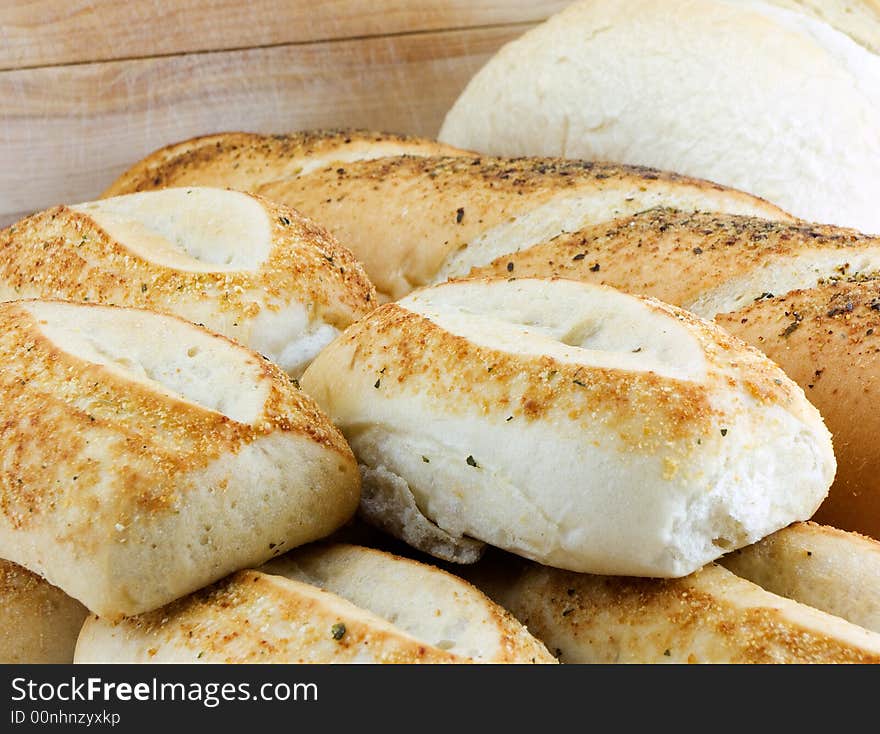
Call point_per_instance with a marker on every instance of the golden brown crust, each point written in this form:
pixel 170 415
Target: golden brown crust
pixel 63 253
pixel 223 623
pixel 828 340
pixel 671 255
pixel 645 410
pixel 710 616
pixel 243 161
pixel 58 407
pixel 404 216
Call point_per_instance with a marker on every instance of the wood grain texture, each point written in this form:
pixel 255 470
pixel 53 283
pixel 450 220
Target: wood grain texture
pixel 66 132
pixel 50 32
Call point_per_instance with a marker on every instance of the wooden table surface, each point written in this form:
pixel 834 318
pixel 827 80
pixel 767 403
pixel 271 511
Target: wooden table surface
pixel 90 86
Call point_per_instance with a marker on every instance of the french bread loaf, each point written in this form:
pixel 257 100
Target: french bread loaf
pixel 144 457
pixel 570 424
pixel 325 604
pixel 806 295
pixel 411 220
pixel 238 264
pixel 763 98
pixel 244 161
pixel 39 623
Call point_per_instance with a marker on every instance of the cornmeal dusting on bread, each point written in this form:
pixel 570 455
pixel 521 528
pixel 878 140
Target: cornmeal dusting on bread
pixel 645 410
pixel 60 412
pixel 694 619
pixel 253 617
pixel 305 264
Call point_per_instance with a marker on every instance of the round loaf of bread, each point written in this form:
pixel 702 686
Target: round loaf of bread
pixel 806 295
pixel 244 161
pixel 144 457
pixel 324 604
pixel 257 272
pixel 571 424
pixel 763 98
pixel 39 623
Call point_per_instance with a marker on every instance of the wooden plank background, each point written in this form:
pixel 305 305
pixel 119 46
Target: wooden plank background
pixel 90 86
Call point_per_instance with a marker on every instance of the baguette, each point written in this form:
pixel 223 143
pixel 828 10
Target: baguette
pixel 663 442
pixel 711 616
pixel 755 96
pixel 806 295
pixel 325 604
pixel 145 457
pixel 244 161
pixel 39 623
pixel 410 219
pixel 252 270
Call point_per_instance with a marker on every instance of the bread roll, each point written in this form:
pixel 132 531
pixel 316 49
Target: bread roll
pixel 243 161
pixel 804 294
pixel 570 424
pixel 748 94
pixel 145 457
pixel 38 622
pixel 326 604
pixel 238 264
pixel 823 567
pixel 711 616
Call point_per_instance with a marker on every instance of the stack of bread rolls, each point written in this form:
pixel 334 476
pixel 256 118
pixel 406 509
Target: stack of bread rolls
pixel 595 393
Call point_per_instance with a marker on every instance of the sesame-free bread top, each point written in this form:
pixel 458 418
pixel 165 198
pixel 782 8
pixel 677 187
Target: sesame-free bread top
pixel 252 270
pixel 244 161
pixel 146 457
pixel 571 424
pixel 324 604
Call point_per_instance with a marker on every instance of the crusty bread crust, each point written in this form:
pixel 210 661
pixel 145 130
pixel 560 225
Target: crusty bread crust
pixel 820 566
pixel 278 614
pixel 826 339
pixel 711 616
pixel 707 262
pixel 403 217
pixel 304 282
pixel 104 459
pixel 243 161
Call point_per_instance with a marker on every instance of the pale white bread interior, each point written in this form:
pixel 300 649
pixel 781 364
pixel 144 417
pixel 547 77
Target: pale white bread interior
pixel 823 567
pixel 244 161
pixel 859 19
pixel 707 262
pixel 711 616
pixel 39 623
pixel 574 425
pixel 245 267
pixel 748 94
pixel 148 457
pixel 413 221
pixel 326 604
pixel 806 295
